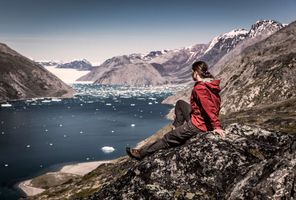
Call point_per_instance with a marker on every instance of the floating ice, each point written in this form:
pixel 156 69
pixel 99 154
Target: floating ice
pixel 61 125
pixel 107 91
pixel 46 130
pixel 87 158
pixel 6 105
pixel 2 133
pixel 108 104
pixel 81 132
pixel 28 146
pixel 6 165
pixel 132 104
pixel 112 131
pixel 133 125
pixel 107 149
pixel 50 144
pixel 46 101
pixel 150 103
pixel 56 99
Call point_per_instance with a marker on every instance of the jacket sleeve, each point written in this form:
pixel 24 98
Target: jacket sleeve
pixel 208 105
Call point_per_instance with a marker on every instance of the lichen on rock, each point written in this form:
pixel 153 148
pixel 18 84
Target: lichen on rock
pixel 250 163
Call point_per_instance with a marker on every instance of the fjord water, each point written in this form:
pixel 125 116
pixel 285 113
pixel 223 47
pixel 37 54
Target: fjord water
pixel 41 135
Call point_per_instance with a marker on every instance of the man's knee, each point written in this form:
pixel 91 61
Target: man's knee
pixel 180 103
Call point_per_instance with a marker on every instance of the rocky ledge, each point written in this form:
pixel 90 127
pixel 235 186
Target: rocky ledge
pixel 250 163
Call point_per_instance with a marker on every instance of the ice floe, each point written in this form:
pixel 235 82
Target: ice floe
pixel 107 149
pixel 6 105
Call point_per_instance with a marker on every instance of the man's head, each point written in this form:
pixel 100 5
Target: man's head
pixel 200 68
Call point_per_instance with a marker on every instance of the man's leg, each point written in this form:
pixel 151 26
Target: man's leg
pixel 182 112
pixel 173 138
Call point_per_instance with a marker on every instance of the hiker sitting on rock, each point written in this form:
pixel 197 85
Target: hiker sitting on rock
pixel 201 115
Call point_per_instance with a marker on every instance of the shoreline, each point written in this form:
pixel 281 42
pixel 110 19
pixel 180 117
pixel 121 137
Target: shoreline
pixel 77 169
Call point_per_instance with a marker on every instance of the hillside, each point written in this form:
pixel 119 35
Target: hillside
pixel 23 78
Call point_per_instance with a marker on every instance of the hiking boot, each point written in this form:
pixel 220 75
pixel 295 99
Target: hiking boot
pixel 133 153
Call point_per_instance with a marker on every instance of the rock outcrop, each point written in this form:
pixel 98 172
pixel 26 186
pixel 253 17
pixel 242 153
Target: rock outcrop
pixel 23 78
pixel 249 163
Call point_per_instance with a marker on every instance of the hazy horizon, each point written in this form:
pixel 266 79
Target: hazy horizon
pixel 66 30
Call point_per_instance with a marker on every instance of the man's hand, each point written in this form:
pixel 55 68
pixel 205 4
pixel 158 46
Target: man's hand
pixel 220 132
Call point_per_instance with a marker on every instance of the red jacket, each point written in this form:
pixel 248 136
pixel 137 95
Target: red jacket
pixel 205 103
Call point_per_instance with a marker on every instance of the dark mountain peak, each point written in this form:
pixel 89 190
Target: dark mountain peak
pixel 77 64
pixel 154 54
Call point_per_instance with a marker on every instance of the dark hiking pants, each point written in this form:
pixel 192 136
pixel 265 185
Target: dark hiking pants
pixel 184 130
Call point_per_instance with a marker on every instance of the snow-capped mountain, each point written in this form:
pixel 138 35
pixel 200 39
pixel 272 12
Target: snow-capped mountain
pixel 49 63
pixel 262 74
pixel 174 60
pixel 154 54
pixel 258 32
pixel 77 64
pixel 227 40
pixel 264 27
pixel 175 65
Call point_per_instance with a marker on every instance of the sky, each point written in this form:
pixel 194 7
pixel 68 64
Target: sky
pixel 96 30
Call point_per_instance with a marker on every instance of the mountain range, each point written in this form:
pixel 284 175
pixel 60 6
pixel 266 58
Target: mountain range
pixel 174 66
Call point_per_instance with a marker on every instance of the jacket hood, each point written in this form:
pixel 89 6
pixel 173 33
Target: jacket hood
pixel 213 85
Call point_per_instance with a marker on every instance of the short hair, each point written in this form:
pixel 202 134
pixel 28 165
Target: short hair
pixel 202 68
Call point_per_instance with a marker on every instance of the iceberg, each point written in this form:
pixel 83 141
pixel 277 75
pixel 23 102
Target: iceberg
pixel 6 105
pixel 56 99
pixel 46 101
pixel 107 149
